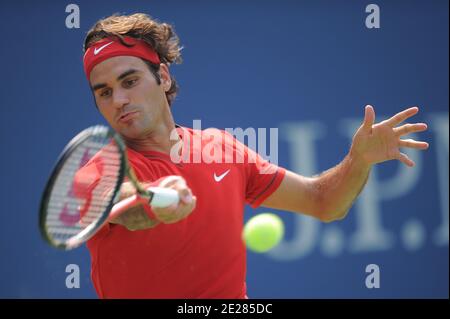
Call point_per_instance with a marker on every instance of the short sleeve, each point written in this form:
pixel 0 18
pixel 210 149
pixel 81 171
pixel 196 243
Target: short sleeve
pixel 262 177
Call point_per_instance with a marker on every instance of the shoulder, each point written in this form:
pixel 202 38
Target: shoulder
pixel 210 135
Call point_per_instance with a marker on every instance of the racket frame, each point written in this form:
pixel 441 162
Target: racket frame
pixel 124 169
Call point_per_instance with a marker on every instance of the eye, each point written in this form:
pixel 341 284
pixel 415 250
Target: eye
pixel 105 93
pixel 130 82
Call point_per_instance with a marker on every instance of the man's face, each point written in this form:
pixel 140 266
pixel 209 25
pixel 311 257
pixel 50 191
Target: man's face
pixel 128 96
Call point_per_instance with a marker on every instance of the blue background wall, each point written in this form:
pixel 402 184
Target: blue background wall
pixel 305 67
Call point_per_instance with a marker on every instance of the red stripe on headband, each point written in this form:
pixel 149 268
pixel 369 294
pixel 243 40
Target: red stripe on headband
pixel 108 48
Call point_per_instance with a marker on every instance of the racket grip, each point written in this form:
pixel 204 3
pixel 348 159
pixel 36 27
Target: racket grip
pixel 163 197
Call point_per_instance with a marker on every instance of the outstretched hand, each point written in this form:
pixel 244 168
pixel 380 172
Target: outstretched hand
pixel 376 143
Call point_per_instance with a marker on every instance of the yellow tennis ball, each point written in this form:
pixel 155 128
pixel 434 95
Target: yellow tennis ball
pixel 263 232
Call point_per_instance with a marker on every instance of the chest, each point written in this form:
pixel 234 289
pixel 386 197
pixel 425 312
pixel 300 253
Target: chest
pixel 217 186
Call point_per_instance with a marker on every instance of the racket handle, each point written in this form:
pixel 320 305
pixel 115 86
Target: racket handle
pixel 163 197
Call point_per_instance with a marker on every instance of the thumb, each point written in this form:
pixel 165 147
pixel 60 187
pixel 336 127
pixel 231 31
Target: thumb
pixel 369 118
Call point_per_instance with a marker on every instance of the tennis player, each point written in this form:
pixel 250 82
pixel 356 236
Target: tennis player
pixel 194 249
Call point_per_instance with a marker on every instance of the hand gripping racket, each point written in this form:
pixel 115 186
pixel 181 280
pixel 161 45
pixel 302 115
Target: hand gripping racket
pixel 82 193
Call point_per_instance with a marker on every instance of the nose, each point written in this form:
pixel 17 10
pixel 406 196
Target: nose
pixel 120 98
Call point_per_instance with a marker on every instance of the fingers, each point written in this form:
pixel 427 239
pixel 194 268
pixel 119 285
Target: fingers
pixel 179 184
pixel 410 143
pixel 410 128
pixel 172 180
pixel 185 195
pixel 369 118
pixel 183 208
pixel 400 117
pixel 405 159
pixel 173 214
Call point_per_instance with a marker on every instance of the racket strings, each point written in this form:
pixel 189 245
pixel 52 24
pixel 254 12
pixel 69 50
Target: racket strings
pixel 83 189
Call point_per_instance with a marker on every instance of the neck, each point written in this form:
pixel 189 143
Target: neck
pixel 156 139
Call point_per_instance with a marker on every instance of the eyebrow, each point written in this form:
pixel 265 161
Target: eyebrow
pixel 120 77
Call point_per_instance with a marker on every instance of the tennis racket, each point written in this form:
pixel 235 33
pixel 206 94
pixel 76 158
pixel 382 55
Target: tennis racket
pixel 83 190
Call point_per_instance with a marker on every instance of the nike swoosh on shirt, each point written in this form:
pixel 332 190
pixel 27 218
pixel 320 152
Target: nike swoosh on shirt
pixel 220 177
pixel 97 50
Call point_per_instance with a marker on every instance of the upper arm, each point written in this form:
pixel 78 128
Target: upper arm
pixel 296 193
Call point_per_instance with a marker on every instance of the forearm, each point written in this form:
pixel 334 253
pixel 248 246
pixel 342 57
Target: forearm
pixel 330 195
pixel 140 216
pixel 135 217
pixel 338 187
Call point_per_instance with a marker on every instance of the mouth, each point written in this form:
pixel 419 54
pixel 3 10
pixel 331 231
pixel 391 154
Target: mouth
pixel 126 117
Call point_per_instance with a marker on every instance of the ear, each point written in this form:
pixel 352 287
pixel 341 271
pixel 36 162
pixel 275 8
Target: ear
pixel 166 81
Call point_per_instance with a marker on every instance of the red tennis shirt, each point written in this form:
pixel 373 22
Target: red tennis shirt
pixel 203 255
